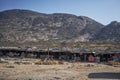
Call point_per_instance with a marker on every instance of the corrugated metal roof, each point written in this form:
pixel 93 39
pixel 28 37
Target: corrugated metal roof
pixel 71 50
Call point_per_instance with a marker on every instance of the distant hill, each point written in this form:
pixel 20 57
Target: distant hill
pixel 25 26
pixel 111 32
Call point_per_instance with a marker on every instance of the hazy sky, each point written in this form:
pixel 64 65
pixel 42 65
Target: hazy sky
pixel 103 11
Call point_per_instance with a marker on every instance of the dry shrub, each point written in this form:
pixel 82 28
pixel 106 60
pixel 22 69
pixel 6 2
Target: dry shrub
pixel 48 62
pixel 10 66
pixel 3 61
pixel 113 63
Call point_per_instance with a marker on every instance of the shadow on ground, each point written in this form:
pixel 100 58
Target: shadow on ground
pixel 105 75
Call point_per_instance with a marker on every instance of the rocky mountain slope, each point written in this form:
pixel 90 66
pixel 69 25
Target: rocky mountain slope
pixel 26 26
pixel 111 32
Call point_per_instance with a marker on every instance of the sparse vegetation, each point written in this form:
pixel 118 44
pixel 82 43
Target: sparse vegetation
pixel 53 71
pixel 95 45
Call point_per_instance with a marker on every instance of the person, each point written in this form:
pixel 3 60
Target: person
pixel 97 59
pixel 91 58
pixel 85 58
pixel 119 57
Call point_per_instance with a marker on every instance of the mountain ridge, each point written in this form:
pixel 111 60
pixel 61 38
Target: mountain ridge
pixel 23 26
pixel 26 25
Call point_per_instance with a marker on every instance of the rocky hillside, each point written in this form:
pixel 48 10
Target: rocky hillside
pixel 26 26
pixel 111 32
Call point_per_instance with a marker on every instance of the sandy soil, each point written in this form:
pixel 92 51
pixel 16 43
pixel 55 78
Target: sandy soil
pixel 12 69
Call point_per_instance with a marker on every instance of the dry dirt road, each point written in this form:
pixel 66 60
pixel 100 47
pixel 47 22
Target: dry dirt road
pixel 9 70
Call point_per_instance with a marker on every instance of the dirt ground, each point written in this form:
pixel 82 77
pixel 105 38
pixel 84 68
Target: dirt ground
pixel 26 69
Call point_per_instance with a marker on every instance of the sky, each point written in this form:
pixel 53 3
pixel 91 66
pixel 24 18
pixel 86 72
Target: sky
pixel 103 11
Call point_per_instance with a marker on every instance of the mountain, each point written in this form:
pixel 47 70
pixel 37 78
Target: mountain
pixel 25 26
pixel 111 32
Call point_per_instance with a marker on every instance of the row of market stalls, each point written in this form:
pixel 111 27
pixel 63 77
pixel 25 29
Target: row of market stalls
pixel 74 55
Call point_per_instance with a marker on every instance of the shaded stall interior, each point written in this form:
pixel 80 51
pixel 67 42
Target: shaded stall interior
pixel 56 55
